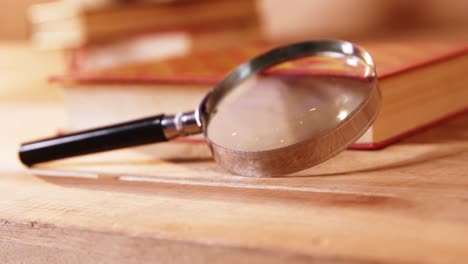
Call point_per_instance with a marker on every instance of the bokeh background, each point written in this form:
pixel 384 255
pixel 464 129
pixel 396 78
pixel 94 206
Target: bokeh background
pixel 317 18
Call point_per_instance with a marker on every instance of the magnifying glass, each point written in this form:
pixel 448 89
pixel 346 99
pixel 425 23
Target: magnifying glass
pixel 283 111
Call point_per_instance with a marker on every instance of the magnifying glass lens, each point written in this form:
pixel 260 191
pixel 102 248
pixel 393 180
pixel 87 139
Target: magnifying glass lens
pixel 290 102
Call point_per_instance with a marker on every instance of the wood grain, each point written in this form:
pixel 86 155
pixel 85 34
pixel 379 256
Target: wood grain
pixel 407 203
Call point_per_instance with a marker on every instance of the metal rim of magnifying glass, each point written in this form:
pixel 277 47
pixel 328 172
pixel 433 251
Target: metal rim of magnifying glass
pixel 307 153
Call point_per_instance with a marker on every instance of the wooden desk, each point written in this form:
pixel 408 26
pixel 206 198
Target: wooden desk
pixel 405 204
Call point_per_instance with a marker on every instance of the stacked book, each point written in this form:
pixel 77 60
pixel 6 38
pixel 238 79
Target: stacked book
pixel 119 32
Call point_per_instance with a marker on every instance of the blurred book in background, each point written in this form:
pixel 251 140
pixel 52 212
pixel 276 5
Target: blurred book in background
pixel 124 31
pixel 160 45
pixel 62 24
pixel 119 32
pixel 422 83
pixel 348 19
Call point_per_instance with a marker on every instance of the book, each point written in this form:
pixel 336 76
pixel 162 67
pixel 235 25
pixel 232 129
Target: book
pixel 161 45
pixel 422 83
pixel 62 24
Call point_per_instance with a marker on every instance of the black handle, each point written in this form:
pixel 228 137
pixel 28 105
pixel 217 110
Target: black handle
pixel 134 133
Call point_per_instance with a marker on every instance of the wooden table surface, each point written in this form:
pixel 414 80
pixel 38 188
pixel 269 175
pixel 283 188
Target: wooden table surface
pixel 407 203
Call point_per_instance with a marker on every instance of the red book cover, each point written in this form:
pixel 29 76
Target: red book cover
pixel 210 67
pixel 392 60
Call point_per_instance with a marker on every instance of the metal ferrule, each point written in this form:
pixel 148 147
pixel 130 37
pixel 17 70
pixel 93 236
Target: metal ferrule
pixel 180 124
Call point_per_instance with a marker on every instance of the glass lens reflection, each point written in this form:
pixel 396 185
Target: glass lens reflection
pixel 289 103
